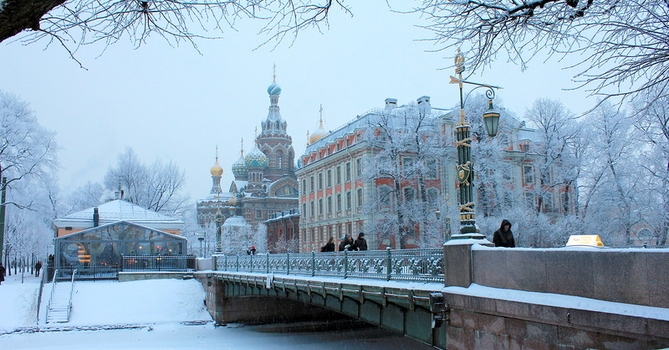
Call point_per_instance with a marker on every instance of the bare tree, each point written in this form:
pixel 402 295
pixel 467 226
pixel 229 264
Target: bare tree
pixel 86 196
pixel 558 168
pixel 406 146
pixel 156 187
pixel 610 182
pixel 28 164
pixel 73 23
pixel 26 148
pixel 621 45
pixel 652 121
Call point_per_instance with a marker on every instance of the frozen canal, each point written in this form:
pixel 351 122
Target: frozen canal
pixel 179 336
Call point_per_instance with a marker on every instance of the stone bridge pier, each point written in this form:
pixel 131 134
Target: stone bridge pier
pixel 263 298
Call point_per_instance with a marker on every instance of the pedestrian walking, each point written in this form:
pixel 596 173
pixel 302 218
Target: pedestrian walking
pixel 504 237
pixel 38 266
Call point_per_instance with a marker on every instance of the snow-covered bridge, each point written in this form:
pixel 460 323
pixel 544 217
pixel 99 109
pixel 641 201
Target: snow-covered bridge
pixel 465 296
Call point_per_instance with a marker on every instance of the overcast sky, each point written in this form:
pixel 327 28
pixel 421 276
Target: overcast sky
pixel 177 104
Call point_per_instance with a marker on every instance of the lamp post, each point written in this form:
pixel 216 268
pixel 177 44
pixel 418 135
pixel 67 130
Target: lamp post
pixel 219 220
pixel 468 228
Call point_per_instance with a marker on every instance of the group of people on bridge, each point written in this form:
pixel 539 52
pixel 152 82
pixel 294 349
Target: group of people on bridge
pixel 347 243
pixel 503 237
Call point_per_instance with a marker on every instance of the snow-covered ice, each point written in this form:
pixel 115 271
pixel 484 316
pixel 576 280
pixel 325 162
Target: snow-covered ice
pixel 157 314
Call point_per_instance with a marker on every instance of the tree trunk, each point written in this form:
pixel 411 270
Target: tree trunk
pixel 19 15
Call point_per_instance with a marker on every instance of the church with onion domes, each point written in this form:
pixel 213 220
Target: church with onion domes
pixel 264 178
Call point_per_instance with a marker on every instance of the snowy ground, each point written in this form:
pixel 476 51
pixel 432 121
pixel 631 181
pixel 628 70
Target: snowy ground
pixel 157 314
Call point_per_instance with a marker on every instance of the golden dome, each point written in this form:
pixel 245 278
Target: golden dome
pixel 320 132
pixel 216 170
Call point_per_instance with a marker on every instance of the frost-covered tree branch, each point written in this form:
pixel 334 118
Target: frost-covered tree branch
pixel 621 45
pixel 73 23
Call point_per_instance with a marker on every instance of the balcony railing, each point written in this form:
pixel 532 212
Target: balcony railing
pixel 416 265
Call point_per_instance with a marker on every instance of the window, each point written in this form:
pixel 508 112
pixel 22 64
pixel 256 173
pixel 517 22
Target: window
pixel 339 233
pixel 408 166
pixel 329 205
pixel 528 174
pixel 279 160
pixel 432 168
pixel 329 178
pixel 311 207
pixel 329 231
pixel 338 175
pixel 529 199
pixel 258 214
pixel 348 172
pixel 348 200
pixel 304 185
pixel 385 196
pixel 409 194
pixel 304 209
pixel 320 233
pixel 432 196
pixel 311 183
pixel 548 200
pixel 339 202
pixel 349 228
pixel 359 199
pixel 320 181
pixel 320 206
pixel 358 167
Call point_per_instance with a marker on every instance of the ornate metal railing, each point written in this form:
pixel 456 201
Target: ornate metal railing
pixel 419 265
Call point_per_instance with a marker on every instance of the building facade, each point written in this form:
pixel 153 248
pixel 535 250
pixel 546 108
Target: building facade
pixel 339 195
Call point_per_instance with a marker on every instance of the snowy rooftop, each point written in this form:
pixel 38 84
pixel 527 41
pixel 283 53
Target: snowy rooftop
pixel 117 210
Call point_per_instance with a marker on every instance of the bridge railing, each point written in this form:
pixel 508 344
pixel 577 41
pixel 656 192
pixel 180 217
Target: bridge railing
pixel 418 265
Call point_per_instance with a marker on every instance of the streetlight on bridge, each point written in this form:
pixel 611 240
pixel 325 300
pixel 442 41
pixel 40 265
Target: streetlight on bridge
pixel 219 221
pixel 468 228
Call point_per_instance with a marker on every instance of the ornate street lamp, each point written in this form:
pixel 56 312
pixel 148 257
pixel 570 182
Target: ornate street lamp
pixel 468 228
pixel 219 221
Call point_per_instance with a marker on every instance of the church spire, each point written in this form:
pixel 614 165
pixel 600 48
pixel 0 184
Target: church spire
pixel 216 173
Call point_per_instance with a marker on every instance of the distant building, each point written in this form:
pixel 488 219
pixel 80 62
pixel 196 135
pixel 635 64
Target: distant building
pixel 283 232
pixel 264 178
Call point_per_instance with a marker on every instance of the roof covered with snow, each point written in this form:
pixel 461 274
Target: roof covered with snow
pixel 119 210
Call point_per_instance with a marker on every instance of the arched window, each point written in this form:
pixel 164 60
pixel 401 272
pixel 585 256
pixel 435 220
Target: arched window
pixel 279 160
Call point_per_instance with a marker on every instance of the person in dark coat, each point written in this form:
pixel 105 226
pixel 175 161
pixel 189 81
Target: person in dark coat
pixel 504 237
pixel 2 273
pixel 360 243
pixel 329 246
pixel 38 266
pixel 346 243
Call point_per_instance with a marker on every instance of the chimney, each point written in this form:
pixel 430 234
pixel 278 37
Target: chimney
pixel 391 103
pixel 96 217
pixel 424 104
